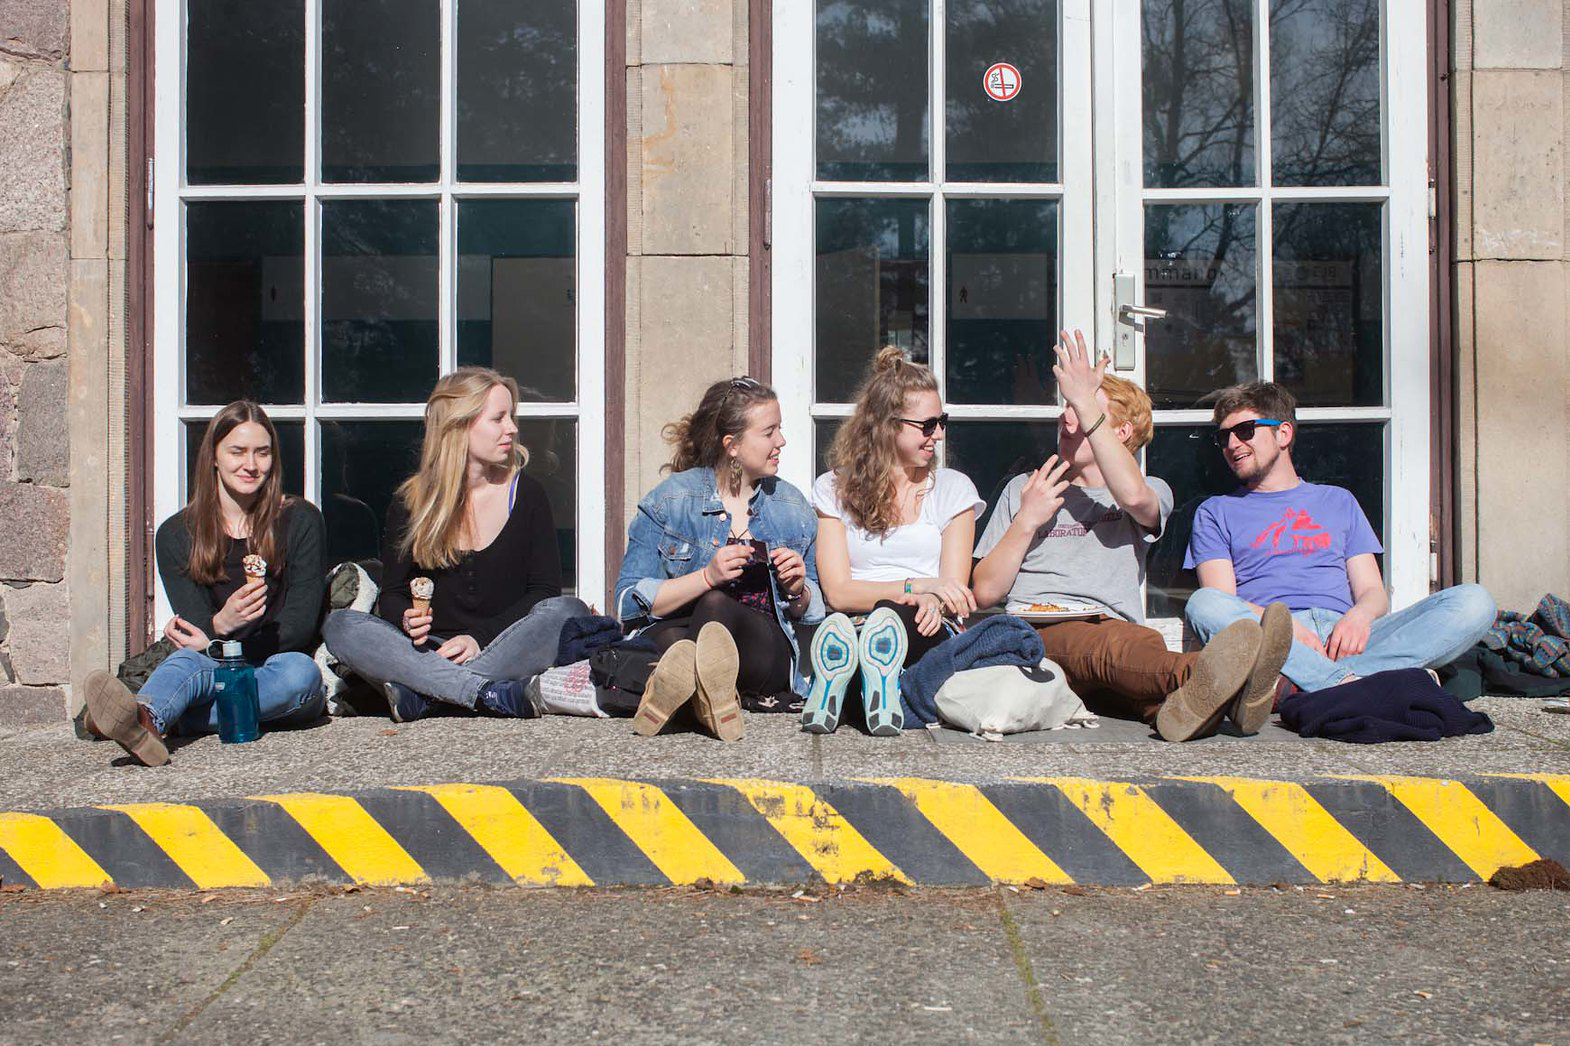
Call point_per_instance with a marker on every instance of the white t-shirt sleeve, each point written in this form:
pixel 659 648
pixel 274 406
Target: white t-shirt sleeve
pixel 824 499
pixel 953 493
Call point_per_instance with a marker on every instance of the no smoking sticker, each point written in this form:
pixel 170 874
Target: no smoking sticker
pixel 1001 82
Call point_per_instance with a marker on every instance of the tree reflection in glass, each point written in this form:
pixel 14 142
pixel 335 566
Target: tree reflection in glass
pixel 872 96
pixel 1198 92
pixel 1324 92
pixel 1200 265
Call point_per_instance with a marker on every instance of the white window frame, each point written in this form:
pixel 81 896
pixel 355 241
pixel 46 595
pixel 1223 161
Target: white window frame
pixel 1102 220
pixel 171 192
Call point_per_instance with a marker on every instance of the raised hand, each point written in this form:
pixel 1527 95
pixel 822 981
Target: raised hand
pixel 1078 377
pixel 1042 494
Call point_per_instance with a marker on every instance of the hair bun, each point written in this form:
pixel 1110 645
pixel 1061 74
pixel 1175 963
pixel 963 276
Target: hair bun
pixel 889 357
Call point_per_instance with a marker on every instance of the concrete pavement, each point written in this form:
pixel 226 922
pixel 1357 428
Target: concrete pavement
pixel 1352 965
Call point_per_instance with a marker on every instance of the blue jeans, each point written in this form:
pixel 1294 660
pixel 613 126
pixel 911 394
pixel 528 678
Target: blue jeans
pixel 180 692
pixel 1427 634
pixel 380 652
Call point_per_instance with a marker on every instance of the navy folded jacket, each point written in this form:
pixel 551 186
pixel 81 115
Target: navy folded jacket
pixel 582 636
pixel 1401 705
pixel 1000 640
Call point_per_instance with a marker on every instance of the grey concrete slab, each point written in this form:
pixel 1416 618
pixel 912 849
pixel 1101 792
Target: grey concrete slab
pixel 1318 965
pixel 632 968
pixel 123 968
pixel 1073 967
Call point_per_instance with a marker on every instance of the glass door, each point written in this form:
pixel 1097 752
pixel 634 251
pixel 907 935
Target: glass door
pixel 1267 193
pixel 932 190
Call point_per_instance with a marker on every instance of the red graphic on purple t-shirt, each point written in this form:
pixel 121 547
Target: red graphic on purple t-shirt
pixel 1299 532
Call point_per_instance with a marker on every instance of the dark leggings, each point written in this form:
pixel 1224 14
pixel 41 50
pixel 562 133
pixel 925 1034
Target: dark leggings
pixel 765 652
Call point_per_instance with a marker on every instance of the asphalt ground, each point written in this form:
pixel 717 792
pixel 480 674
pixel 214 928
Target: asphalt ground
pixel 1069 966
pixel 46 767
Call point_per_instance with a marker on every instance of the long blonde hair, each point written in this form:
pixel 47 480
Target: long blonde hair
pixel 437 496
pixel 863 458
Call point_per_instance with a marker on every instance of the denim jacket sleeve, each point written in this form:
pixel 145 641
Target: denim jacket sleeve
pixel 641 573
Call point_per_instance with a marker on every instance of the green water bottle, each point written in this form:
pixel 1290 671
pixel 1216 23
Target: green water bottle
pixel 234 683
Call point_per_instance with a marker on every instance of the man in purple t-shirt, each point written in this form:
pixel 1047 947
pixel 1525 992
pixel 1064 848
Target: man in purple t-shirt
pixel 1278 537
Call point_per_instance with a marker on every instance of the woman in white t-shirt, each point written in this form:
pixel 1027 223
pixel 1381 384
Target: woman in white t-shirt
pixel 894 543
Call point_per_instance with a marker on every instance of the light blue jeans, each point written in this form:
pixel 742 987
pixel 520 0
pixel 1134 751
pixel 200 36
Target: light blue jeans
pixel 1427 634
pixel 180 692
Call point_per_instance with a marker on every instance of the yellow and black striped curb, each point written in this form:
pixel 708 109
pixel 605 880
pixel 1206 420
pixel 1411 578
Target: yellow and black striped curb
pixel 603 831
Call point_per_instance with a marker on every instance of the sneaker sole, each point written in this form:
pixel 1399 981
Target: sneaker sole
pixel 833 662
pixel 716 702
pixel 392 702
pixel 882 649
pixel 1251 711
pixel 113 709
pixel 673 682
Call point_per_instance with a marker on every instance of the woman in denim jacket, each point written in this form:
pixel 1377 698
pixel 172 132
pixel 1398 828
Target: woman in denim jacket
pixel 720 558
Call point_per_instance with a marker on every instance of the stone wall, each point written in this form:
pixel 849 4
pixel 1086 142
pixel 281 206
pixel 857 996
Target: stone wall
pixel 686 215
pixel 34 366
pixel 1512 97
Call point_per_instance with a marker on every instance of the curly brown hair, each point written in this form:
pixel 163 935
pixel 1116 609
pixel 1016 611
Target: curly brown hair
pixel 863 457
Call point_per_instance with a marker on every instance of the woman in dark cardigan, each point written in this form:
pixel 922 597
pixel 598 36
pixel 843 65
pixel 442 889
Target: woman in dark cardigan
pixel 242 561
pixel 476 532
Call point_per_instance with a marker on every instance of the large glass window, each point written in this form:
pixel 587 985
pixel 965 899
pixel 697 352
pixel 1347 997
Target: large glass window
pixel 356 196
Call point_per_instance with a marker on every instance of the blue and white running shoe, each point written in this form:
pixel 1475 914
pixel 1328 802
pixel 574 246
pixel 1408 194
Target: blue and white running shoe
pixel 833 665
pixel 883 647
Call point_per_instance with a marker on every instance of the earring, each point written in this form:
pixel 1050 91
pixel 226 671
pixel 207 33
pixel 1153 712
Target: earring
pixel 735 471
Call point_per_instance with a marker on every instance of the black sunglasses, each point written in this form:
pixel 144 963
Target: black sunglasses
pixel 929 425
pixel 1244 429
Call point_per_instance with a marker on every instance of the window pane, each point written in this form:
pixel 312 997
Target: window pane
pixel 245 302
pixel 1199 92
pixel 993 452
pixel 1002 300
pixel 1344 454
pixel 1329 303
pixel 516 309
pixel 517 91
pixel 362 464
pixel 1014 139
pixel 1324 92
pixel 1200 266
pixel 872 90
pixel 553 460
pixel 379 323
pixel 872 287
pixel 288 455
pixel 822 437
pixel 381 91
pixel 245 91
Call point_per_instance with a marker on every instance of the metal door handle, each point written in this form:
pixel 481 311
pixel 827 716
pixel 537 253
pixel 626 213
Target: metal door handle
pixel 1128 313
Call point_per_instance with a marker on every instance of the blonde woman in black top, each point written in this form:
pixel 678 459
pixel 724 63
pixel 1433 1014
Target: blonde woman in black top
pixel 470 522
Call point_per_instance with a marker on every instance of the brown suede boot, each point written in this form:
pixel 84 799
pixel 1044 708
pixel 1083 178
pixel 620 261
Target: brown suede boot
pixel 114 713
pixel 672 684
pixel 1195 708
pixel 718 662
pixel 1252 708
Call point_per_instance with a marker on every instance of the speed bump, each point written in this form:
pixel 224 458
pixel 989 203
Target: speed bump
pixel 620 831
